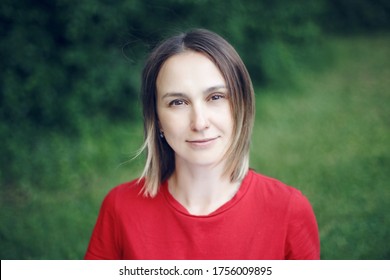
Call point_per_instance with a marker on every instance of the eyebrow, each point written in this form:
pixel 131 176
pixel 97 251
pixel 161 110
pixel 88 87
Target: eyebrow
pixel 206 91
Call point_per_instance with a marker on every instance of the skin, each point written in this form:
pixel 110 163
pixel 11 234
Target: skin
pixel 195 116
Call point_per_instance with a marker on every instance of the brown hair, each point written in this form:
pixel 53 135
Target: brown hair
pixel 160 161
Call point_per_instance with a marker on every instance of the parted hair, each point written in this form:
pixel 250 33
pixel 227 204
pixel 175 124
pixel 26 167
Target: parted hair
pixel 160 158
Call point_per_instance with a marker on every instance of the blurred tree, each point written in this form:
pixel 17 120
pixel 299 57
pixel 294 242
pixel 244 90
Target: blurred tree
pixel 64 61
pixel 356 16
pixel 67 64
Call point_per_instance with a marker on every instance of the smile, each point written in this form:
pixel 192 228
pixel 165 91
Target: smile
pixel 202 142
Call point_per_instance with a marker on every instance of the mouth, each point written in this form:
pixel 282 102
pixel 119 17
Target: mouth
pixel 202 143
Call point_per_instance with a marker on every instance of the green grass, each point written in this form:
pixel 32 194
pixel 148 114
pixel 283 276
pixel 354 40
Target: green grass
pixel 328 136
pixel 51 212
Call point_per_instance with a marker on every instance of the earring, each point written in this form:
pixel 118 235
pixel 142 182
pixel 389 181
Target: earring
pixel 161 134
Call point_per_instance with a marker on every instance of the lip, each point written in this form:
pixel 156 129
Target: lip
pixel 202 142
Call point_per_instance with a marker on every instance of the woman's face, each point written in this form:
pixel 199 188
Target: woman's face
pixel 194 110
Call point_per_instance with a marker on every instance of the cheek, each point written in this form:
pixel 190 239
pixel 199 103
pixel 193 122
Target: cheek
pixel 163 119
pixel 171 123
pixel 227 119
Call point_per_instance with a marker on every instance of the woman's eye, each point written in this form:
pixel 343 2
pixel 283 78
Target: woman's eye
pixel 217 96
pixel 176 102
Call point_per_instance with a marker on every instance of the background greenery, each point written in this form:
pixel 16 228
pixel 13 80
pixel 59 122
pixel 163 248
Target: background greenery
pixel 70 118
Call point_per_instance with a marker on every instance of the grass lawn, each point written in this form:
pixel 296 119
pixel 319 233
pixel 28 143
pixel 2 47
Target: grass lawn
pixel 328 136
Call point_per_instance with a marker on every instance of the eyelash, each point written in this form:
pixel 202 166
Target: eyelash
pixel 213 97
pixel 219 95
pixel 174 102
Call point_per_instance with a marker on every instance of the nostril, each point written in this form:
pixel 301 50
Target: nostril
pixel 200 123
pixel 199 120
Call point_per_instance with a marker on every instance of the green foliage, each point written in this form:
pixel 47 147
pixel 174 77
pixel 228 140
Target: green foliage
pixel 58 66
pixel 69 64
pixel 69 83
pixel 50 213
pixel 330 139
pixel 356 16
pixel 66 60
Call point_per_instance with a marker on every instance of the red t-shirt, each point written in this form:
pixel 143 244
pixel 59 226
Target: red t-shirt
pixel 264 220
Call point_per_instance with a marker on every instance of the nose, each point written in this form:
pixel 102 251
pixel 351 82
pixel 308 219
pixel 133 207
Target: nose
pixel 199 118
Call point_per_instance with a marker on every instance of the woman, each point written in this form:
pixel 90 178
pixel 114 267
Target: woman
pixel 197 198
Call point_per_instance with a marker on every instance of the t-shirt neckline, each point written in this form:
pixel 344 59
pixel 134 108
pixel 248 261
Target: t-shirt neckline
pixel 178 207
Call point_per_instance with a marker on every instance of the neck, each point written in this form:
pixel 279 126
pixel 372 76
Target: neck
pixel 202 189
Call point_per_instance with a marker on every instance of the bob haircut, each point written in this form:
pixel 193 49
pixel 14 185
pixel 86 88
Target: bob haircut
pixel 160 159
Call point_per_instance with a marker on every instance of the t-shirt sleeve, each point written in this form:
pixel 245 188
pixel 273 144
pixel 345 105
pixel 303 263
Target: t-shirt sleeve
pixel 103 244
pixel 302 241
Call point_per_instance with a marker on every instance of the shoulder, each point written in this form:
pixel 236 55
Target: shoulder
pixel 125 194
pixel 276 194
pixel 133 187
pixel 271 187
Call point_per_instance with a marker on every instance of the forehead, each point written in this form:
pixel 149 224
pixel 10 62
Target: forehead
pixel 188 70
